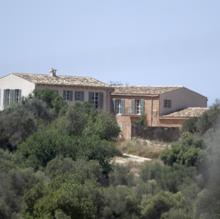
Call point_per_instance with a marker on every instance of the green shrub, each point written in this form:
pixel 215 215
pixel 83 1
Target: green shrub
pixel 187 151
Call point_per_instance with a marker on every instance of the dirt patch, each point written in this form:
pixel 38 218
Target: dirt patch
pixel 129 158
pixel 142 148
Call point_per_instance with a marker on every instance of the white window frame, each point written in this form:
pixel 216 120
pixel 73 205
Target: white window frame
pixel 67 95
pixel 118 106
pixel 79 96
pixel 95 99
pixel 137 106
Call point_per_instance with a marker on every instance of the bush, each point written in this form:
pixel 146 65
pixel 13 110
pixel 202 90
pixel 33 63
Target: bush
pixel 52 99
pixel 44 146
pixel 159 204
pixel 187 151
pixel 202 124
pixel 16 124
pixel 168 178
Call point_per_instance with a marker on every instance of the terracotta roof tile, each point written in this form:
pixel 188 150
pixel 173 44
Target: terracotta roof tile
pixel 143 90
pixel 61 80
pixel 188 112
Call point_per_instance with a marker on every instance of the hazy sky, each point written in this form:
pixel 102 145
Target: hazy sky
pixel 150 42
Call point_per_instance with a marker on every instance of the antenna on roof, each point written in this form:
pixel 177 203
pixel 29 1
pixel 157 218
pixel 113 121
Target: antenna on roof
pixel 53 72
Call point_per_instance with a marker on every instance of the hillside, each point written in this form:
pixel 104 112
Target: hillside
pixel 56 163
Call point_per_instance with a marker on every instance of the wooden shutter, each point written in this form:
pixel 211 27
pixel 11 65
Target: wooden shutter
pixel 82 95
pixel 71 95
pixel 123 106
pixel 64 95
pixel 91 97
pixel 12 96
pixel 113 105
pixel 19 95
pixel 133 106
pixel 101 97
pixel 142 106
pixel 6 97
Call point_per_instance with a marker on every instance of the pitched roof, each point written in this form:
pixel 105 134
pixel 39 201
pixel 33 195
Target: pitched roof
pixel 143 90
pixel 46 79
pixel 187 113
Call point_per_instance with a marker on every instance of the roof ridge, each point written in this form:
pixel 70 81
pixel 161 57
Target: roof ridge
pixel 70 80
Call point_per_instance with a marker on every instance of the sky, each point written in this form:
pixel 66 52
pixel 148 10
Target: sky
pixel 136 42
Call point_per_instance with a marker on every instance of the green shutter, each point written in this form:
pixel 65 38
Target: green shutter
pixel 19 95
pixel 122 106
pixel 113 105
pixel 101 97
pixel 133 106
pixel 64 95
pixel 12 96
pixel 142 107
pixel 82 96
pixel 6 97
pixel 91 97
pixel 71 95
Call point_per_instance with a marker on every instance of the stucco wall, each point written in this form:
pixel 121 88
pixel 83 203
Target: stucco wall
pixel 124 122
pixel 15 82
pixel 181 98
pixel 60 89
pixel 151 110
pixel 169 122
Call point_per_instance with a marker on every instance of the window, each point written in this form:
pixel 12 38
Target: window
pixel 6 97
pixel 68 95
pixel 11 96
pixel 79 96
pixel 119 106
pixel 96 99
pixel 138 106
pixel 17 95
pixel 167 103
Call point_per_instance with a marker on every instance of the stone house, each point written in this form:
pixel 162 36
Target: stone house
pixel 161 106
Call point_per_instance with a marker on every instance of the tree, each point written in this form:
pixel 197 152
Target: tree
pixel 52 99
pixel 187 151
pixel 159 204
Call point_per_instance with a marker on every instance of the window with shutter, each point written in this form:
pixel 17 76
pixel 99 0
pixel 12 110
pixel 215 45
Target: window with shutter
pixel 122 106
pixel 17 94
pixel 79 96
pixel 133 106
pixel 100 100
pixel 68 95
pixel 96 99
pixel 142 106
pixel 6 97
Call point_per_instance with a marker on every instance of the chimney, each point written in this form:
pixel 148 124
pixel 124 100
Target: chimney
pixel 53 72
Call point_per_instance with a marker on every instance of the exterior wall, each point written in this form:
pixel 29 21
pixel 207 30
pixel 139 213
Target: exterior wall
pixel 124 122
pixel 169 122
pixel 151 110
pixel 14 82
pixel 60 89
pixel 181 98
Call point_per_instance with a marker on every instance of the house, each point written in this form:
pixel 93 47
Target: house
pixel 165 107
pixel 71 88
pixel 161 106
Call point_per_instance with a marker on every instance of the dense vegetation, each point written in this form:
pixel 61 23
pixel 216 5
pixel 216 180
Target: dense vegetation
pixel 55 164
